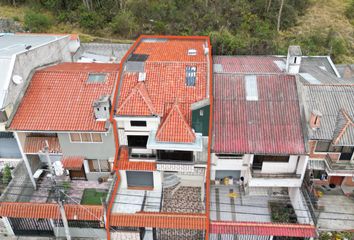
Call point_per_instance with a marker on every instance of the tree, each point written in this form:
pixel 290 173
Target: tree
pixel 279 14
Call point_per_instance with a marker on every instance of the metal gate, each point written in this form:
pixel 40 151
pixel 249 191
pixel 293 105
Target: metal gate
pixel 31 226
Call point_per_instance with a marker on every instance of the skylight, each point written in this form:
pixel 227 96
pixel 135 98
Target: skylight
pixel 96 78
pixel 192 52
pixel 251 88
pixel 191 75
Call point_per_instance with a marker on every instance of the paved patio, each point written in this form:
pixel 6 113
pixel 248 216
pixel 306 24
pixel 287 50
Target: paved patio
pixel 227 204
pixel 338 213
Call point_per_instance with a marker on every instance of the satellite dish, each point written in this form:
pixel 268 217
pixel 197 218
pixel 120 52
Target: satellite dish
pixel 17 79
pixel 58 168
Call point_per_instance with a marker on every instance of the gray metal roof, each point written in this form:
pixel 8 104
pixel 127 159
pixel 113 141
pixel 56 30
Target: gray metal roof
pixel 329 100
pixel 321 62
pixel 344 131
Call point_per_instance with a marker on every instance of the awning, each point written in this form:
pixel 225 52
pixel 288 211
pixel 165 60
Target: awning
pixel 72 163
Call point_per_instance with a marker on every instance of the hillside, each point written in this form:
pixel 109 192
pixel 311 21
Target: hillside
pixel 319 26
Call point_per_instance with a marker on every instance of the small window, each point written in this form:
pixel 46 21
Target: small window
pixel 96 78
pixel 96 165
pixel 192 52
pixel 191 75
pixel 96 137
pixel 86 137
pixel 93 165
pixel 201 112
pixel 75 137
pixel 322 146
pixel 138 123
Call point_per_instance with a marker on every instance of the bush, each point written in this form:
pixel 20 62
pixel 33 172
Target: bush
pixel 124 24
pixel 89 19
pixel 350 11
pixel 6 175
pixel 37 22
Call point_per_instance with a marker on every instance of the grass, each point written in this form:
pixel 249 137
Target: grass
pixel 92 196
pixel 320 17
pixel 282 212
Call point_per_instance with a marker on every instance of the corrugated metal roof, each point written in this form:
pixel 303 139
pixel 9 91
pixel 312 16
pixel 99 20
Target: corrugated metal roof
pixel 329 100
pixel 271 125
pixel 263 229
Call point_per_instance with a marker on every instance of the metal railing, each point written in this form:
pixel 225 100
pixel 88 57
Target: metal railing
pixel 338 166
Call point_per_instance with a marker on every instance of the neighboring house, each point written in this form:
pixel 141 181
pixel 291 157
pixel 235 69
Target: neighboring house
pixel 162 115
pixel 20 54
pixel 67 106
pixel 259 154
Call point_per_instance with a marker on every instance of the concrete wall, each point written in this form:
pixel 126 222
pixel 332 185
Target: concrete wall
pixel 281 167
pixel 102 150
pixel 93 176
pixel 57 51
pixel 92 233
pixel 298 202
pixel 152 123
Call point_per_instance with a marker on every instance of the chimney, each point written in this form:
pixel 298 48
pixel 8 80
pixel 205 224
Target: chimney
pixel 293 59
pixel 101 108
pixel 315 119
pixel 348 73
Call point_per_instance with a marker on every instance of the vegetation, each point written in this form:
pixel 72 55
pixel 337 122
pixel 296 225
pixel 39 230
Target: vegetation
pixel 6 175
pixel 282 212
pixel 93 196
pixel 235 26
pixel 336 235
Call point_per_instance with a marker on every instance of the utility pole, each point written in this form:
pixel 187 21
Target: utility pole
pixel 64 219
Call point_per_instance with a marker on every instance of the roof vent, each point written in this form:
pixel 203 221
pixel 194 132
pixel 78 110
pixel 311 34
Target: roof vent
pixel 251 88
pixel 206 49
pixel 142 76
pixel 17 79
pixel 96 78
pixel 192 52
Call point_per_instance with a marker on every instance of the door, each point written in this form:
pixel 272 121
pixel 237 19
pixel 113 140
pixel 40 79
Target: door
pixel 140 179
pixel 336 180
pixel 77 174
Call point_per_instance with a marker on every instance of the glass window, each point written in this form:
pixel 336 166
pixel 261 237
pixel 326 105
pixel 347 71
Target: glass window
pixel 322 146
pixel 86 137
pixel 191 75
pixel 104 164
pixel 93 165
pixel 96 78
pixel 138 123
pixel 75 137
pixel 96 137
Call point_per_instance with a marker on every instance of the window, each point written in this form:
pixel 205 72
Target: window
pixel 191 75
pixel 138 123
pixel 201 112
pixel 96 165
pixel 347 153
pixel 175 155
pixel 96 78
pixel 137 141
pixel 322 146
pixel 86 137
pixel 251 88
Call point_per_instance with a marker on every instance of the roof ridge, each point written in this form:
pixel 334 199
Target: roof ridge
pixel 141 90
pixel 343 129
pixel 187 127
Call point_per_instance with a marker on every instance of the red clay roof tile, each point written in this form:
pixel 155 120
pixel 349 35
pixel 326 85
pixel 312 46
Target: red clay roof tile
pixel 59 98
pixel 175 127
pixel 73 163
pixel 37 144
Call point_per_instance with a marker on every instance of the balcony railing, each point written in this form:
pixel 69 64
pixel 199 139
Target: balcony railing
pixel 338 166
pixel 257 174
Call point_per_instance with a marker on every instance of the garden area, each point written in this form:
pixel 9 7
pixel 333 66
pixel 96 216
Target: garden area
pixel 93 196
pixel 282 212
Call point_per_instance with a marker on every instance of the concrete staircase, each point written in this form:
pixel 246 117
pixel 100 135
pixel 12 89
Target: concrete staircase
pixel 170 180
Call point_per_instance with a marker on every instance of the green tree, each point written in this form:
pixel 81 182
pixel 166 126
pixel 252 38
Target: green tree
pixel 6 175
pixel 125 24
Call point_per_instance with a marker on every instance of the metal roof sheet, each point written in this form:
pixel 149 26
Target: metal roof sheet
pixel 271 125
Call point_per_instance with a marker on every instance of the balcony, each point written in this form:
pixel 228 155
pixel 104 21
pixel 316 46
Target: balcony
pixel 338 167
pixel 258 174
pixel 35 145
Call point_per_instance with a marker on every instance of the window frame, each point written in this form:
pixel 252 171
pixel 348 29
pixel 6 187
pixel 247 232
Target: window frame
pixel 191 76
pixel 81 138
pixel 90 162
pixel 138 121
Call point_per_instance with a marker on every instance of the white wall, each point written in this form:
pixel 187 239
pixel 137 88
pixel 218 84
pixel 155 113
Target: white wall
pixel 275 182
pixel 281 167
pixel 152 123
pixel 298 202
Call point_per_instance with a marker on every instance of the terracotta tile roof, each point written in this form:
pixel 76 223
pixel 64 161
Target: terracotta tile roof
pixel 58 98
pixel 174 126
pixel 247 64
pixel 270 125
pixel 123 163
pixel 263 229
pixel 37 144
pixel 29 210
pixel 165 70
pixel 73 163
pixel 138 102
pixel 160 220
pixel 50 210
